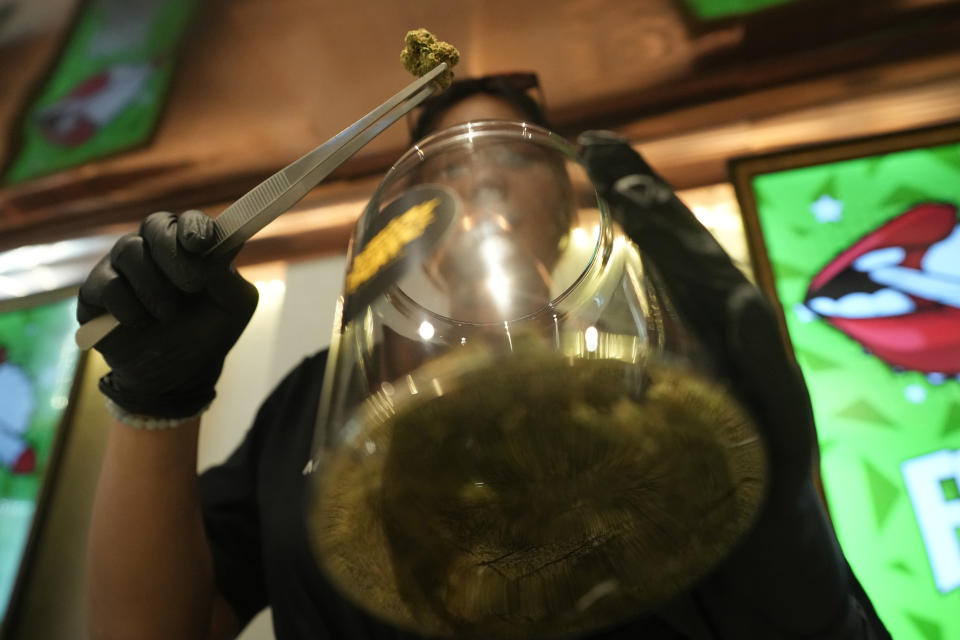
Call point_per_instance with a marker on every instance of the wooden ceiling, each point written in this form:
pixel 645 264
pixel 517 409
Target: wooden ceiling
pixel 260 82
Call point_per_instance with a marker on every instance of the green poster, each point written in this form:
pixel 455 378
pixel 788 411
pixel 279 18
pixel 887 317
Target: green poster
pixel 865 255
pixel 38 359
pixel 106 91
pixel 713 9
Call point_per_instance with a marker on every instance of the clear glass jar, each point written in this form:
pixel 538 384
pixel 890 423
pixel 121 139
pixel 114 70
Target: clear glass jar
pixel 517 437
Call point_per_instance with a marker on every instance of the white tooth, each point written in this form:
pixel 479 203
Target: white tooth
pixel 943 257
pixel 923 284
pixel 886 257
pixel 879 304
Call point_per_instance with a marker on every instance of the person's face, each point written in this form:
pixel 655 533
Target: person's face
pixel 516 199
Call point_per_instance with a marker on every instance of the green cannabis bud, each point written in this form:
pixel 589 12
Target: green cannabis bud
pixel 422 52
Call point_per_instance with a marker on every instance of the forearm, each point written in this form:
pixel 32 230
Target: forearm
pixel 150 570
pixel 180 312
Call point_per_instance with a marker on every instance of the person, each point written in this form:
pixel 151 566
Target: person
pixel 177 556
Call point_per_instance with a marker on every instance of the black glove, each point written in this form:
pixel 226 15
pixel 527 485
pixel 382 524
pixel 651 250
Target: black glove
pixel 788 577
pixel 179 313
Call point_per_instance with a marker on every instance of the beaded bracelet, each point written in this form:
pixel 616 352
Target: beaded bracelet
pixel 138 421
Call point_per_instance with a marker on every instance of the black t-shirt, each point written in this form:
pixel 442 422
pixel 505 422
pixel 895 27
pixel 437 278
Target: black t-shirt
pixel 253 507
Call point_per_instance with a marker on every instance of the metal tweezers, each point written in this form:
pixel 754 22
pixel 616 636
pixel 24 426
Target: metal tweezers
pixel 275 195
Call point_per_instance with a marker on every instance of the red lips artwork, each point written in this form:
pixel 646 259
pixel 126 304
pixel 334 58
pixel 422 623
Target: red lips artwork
pixel 896 291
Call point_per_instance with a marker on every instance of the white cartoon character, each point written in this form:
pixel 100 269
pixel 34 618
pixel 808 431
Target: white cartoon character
pixel 93 103
pixel 16 409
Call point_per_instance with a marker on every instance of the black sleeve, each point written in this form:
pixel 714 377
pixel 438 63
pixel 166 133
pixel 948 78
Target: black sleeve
pixel 231 513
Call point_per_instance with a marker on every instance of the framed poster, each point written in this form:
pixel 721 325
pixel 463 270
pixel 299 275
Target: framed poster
pixel 107 88
pixel 715 9
pixel 859 242
pixel 39 363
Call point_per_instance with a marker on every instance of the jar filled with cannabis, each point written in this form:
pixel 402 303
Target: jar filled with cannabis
pixel 517 437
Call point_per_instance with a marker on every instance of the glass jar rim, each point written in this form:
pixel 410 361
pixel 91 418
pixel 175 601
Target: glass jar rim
pixel 503 130
pixel 506 129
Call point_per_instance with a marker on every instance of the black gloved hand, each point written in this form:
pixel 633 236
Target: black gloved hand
pixel 179 313
pixel 788 578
